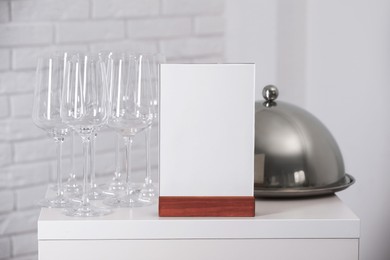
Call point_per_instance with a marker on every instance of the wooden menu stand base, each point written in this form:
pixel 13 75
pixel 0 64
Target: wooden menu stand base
pixel 214 206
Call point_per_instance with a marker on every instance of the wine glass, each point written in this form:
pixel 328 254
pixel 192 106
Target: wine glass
pixel 46 115
pixel 84 109
pixel 116 187
pixel 71 187
pixel 130 112
pixel 151 75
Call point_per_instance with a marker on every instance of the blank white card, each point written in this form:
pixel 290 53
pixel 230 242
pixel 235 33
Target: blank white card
pixel 206 129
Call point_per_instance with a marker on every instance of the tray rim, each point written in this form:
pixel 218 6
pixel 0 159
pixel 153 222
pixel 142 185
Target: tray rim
pixel 305 191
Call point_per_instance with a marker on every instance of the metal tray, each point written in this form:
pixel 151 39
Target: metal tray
pixel 304 192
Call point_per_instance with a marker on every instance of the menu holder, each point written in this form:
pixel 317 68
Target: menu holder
pixel 206 149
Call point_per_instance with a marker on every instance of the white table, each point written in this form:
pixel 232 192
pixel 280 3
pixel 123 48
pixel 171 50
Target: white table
pixel 316 228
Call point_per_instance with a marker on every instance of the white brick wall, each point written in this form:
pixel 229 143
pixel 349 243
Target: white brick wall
pixel 191 7
pixel 26 257
pixel 209 25
pixel 44 149
pixel 26 57
pixel 28 196
pixel 5 154
pixel 4 11
pixel 6 201
pixel 5 248
pixel 24 244
pixel 18 129
pixel 19 222
pixel 5 57
pixel 160 27
pixel 149 46
pixel 184 30
pixel 74 32
pixel 4 106
pixel 29 174
pixel 16 82
pixel 124 8
pixel 25 34
pixel 192 47
pixel 21 105
pixel 49 10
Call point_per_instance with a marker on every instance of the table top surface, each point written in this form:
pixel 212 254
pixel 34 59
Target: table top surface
pixel 321 217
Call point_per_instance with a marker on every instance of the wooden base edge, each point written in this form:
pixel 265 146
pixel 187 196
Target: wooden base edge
pixel 210 206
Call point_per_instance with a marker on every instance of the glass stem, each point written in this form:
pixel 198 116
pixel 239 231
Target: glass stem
pixel 59 141
pixel 148 178
pixel 86 151
pixel 128 143
pixel 72 175
pixel 117 173
pixel 92 154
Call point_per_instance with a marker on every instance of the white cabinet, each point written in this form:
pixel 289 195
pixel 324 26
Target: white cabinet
pixel 316 228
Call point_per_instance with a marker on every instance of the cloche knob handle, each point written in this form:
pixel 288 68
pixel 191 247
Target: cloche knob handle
pixel 270 93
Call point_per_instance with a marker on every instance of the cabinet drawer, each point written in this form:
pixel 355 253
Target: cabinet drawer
pixel 200 249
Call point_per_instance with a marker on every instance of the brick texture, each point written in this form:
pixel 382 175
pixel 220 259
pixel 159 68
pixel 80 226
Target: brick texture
pixel 26 257
pixel 21 105
pixel 209 59
pixel 26 57
pixel 19 222
pixel 149 46
pixel 185 7
pixel 209 25
pixel 35 149
pixel 25 34
pixel 6 201
pixel 28 197
pixel 29 174
pixel 183 30
pixel 125 8
pixel 19 129
pixel 5 58
pixel 73 32
pixel 49 10
pixel 24 244
pixel 5 153
pixel 5 248
pixel 4 107
pixel 4 11
pixel 160 28
pixel 192 47
pixel 16 82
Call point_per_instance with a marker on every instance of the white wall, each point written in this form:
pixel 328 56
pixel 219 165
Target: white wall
pixel 291 51
pixel 348 87
pixel 333 58
pixel 251 37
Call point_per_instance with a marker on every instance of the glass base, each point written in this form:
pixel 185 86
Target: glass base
pixel 56 202
pixel 113 202
pixel 148 193
pixel 127 201
pixel 115 188
pixel 87 210
pixel 96 193
pixel 132 201
pixel 72 187
pixel 69 188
